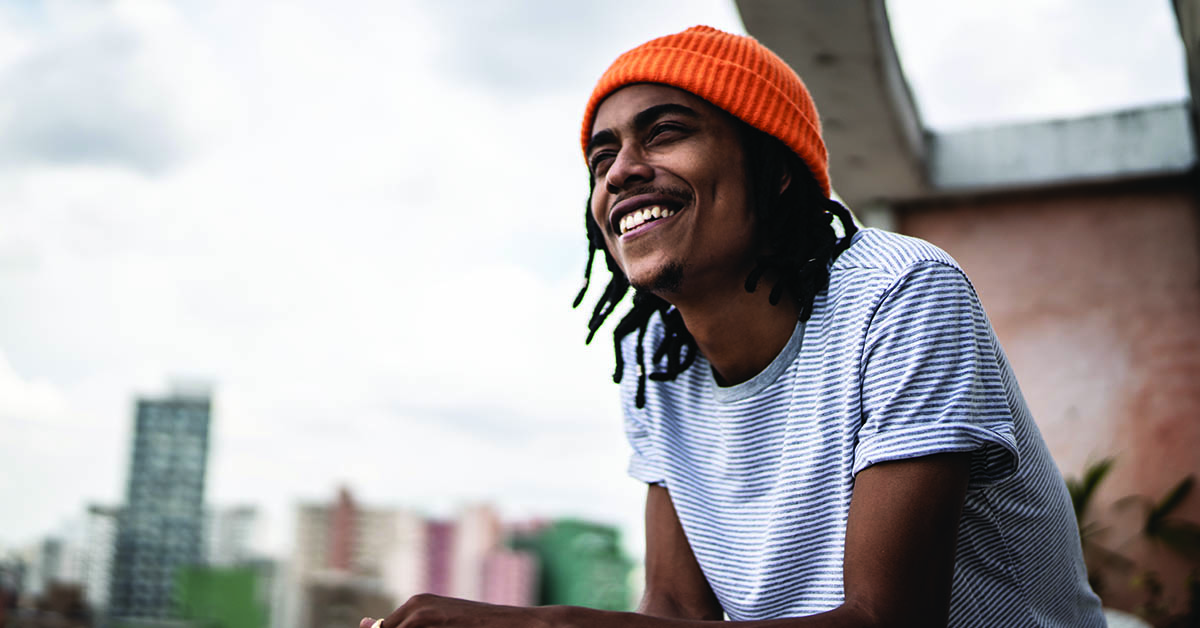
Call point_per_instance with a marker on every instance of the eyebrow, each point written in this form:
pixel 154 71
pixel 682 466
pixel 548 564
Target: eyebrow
pixel 642 120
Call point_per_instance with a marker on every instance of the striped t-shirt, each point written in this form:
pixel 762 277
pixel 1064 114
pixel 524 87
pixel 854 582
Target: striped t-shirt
pixel 897 361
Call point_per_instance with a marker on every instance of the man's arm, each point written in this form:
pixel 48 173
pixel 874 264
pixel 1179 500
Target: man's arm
pixel 675 586
pixel 899 559
pixel 899 564
pixel 900 540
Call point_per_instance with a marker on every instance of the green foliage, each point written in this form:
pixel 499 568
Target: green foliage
pixel 1099 559
pixel 1161 526
pixel 1084 489
pixel 1177 535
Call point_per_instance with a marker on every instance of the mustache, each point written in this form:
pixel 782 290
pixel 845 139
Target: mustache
pixel 683 195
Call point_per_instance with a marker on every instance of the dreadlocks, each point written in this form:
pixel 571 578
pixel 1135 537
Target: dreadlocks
pixel 798 243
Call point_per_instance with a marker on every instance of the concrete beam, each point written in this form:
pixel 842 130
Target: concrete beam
pixel 1151 141
pixel 844 52
pixel 1187 13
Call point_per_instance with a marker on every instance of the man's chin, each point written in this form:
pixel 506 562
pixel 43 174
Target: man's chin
pixel 665 280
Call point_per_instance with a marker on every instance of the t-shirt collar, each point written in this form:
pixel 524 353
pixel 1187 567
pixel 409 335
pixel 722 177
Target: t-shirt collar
pixel 756 384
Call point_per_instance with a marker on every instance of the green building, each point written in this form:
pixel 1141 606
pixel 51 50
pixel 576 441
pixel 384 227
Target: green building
pixel 581 565
pixel 222 597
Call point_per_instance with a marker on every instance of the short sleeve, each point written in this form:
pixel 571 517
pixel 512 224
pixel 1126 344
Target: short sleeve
pixel 645 461
pixel 931 378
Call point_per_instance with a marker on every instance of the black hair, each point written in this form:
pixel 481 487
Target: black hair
pixel 797 240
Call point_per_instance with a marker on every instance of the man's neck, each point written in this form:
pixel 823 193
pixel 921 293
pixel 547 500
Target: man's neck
pixel 740 333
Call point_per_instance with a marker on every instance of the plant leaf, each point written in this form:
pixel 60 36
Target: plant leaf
pixel 1082 490
pixel 1181 537
pixel 1165 506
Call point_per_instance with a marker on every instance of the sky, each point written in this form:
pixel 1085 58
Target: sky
pixel 363 228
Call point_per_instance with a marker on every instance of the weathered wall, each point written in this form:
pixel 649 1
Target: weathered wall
pixel 1095 295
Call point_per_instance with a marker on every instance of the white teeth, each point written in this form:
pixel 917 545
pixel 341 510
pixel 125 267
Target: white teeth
pixel 639 217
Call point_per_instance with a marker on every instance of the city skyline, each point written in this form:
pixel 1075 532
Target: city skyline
pixel 346 553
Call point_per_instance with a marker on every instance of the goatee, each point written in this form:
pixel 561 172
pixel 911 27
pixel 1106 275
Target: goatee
pixel 667 280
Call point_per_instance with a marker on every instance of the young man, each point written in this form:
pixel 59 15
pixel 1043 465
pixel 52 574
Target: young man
pixel 846 446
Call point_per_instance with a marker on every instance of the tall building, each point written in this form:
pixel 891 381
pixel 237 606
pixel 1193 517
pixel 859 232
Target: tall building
pixel 101 530
pixel 229 534
pixel 47 565
pixel 510 577
pixel 59 558
pixel 345 544
pixel 343 520
pixel 406 560
pixel 341 536
pixel 162 526
pixel 477 532
pixel 439 557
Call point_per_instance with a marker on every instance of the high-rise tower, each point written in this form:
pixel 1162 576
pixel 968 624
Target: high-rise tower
pixel 161 528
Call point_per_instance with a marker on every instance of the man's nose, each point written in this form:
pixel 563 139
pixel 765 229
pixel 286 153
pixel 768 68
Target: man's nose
pixel 628 167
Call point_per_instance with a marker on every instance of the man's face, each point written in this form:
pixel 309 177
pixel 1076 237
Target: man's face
pixel 670 190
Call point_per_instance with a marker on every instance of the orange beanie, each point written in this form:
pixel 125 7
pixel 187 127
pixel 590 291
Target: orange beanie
pixel 733 72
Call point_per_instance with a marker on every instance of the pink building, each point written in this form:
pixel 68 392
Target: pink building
pixel 392 554
pixel 342 531
pixel 439 557
pixel 510 577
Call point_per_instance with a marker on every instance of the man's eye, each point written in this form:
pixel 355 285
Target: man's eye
pixel 666 128
pixel 600 160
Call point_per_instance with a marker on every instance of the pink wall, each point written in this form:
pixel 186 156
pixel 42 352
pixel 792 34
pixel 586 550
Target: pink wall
pixel 1095 295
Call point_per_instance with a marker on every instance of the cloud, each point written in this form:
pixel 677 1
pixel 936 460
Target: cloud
pixel 34 400
pixel 546 45
pixel 122 83
pixel 85 102
pixel 507 46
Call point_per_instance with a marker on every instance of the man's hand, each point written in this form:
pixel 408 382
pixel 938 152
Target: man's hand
pixel 427 610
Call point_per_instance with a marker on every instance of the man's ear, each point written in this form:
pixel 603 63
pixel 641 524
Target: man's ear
pixel 785 179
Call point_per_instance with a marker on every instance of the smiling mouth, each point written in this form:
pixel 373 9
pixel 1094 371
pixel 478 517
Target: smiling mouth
pixel 639 218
